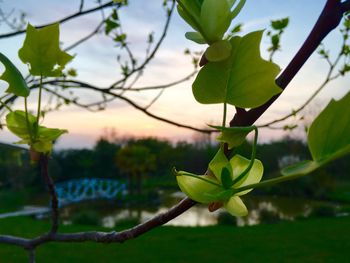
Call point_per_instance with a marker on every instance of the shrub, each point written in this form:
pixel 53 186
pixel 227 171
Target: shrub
pixel 86 218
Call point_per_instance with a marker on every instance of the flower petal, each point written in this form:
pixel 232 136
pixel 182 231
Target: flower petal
pixel 239 164
pixel 236 207
pixel 218 163
pixel 199 190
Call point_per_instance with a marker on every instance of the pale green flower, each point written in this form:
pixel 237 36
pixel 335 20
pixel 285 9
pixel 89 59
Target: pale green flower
pixel 225 176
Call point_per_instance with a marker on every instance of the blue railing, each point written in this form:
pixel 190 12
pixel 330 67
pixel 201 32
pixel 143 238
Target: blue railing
pixel 79 190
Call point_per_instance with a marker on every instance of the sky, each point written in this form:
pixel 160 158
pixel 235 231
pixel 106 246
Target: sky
pixel 96 63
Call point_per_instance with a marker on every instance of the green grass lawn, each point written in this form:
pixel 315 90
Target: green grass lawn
pixel 314 240
pixel 11 201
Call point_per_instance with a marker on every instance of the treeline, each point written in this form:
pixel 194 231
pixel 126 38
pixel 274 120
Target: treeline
pixel 151 160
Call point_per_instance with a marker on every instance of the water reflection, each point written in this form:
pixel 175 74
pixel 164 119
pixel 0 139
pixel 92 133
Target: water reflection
pixel 261 209
pixel 196 216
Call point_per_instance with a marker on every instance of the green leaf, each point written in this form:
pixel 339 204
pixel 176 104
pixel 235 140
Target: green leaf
pixel 110 25
pixel 280 24
pixel 120 38
pixel 330 132
pixel 215 19
pixel 72 72
pixel 302 168
pixel 231 3
pixel 42 146
pixel 16 122
pixel 328 137
pixel 42 52
pixel 244 80
pixel 38 137
pixel 195 37
pixel 49 133
pixel 14 78
pixel 233 136
pixel 218 51
pixel 189 10
pixel 237 9
pixel 226 177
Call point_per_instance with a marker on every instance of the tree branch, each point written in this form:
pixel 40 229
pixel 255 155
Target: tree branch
pixel 44 163
pixel 138 107
pixel 103 237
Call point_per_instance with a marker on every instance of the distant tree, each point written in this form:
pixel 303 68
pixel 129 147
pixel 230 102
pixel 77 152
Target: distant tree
pixel 104 159
pixel 135 161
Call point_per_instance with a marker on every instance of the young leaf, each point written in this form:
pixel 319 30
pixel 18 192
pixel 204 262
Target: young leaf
pixel 42 52
pixel 17 123
pixel 244 80
pixel 233 136
pixel 42 146
pixel 231 3
pixel 195 37
pixel 330 132
pixel 39 138
pixel 49 133
pixel 302 168
pixel 189 10
pixel 218 51
pixel 237 9
pixel 280 24
pixel 328 137
pixel 215 19
pixel 14 78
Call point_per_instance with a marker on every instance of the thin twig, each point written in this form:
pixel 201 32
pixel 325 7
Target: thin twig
pixel 164 86
pixel 87 37
pixel 154 100
pixel 154 51
pixel 63 20
pixel 140 108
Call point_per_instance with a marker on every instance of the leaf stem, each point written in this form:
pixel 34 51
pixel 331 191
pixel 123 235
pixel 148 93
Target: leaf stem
pixel 39 99
pixel 224 115
pixel 268 182
pixel 6 106
pixel 27 119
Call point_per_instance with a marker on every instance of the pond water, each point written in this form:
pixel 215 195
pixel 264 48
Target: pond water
pixel 261 209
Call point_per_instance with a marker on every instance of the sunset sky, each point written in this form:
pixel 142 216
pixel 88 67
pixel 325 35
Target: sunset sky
pixel 96 63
